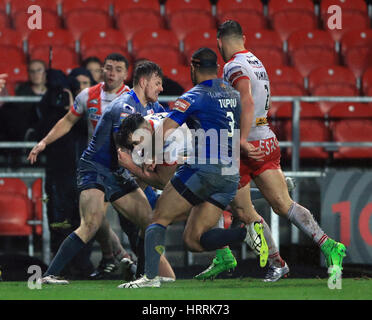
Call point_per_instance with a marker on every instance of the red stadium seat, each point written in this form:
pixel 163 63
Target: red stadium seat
pixel 346 5
pixel 308 110
pixel 199 38
pixel 51 37
pixel 249 20
pixel 23 5
pixel 11 38
pixel 184 22
pixel 37 201
pixel 122 6
pixel 285 81
pixel 332 81
pixel 15 210
pixel 78 21
pixel 16 74
pixel 173 6
pixel 352 131
pixel 162 56
pixel 286 14
pixel 82 5
pixel 103 51
pixel 99 37
pixel 269 56
pixel 4 22
pixel 180 74
pixel 14 186
pixel 350 110
pixel 263 39
pixel 154 37
pixel 286 89
pixel 367 82
pixel 128 21
pixel 310 39
pixel 224 6
pixel 310 130
pixel 3 5
pixel 308 59
pixel 50 21
pixel 62 57
pixel 356 49
pixel 17 56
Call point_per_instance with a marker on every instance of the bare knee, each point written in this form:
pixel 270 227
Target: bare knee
pixel 280 205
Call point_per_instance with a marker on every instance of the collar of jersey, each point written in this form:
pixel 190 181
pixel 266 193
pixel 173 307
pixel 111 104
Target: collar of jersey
pixel 208 83
pixel 133 94
pixel 233 56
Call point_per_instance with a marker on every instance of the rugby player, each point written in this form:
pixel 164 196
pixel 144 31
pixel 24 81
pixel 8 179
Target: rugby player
pixel 209 184
pixel 100 179
pixel 246 73
pixel 92 102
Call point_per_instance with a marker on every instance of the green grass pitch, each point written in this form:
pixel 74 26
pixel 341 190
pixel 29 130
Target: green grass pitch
pixel 219 289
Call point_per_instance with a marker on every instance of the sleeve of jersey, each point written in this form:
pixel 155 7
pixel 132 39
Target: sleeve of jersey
pixel 182 109
pixel 80 102
pixel 234 72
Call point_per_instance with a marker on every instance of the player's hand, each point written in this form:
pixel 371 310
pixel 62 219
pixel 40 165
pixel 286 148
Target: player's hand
pixel 124 158
pixel 146 168
pixel 35 151
pixel 251 151
pixel 2 80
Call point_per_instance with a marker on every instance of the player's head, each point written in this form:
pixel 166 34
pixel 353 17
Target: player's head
pixel 129 125
pixel 115 71
pixel 148 77
pixel 230 38
pixel 94 65
pixel 203 65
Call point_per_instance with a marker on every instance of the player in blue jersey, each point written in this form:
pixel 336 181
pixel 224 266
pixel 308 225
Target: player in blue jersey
pixel 100 179
pixel 208 182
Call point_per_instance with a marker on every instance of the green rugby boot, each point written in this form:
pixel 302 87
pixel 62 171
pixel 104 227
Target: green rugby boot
pixel 256 240
pixel 223 261
pixel 334 252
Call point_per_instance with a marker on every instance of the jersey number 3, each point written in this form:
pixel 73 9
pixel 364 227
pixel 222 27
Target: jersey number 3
pixel 230 115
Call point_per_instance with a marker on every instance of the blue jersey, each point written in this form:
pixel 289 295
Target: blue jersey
pixel 101 148
pixel 214 107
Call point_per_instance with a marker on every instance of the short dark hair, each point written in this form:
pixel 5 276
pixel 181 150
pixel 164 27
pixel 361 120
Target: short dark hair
pixel 229 28
pixel 89 60
pixel 146 68
pixel 117 57
pixel 130 124
pixel 205 60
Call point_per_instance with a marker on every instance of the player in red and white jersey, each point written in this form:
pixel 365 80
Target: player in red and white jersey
pixel 260 158
pixel 93 101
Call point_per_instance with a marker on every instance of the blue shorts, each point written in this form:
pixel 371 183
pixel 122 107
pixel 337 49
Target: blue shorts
pixel 92 175
pixel 200 183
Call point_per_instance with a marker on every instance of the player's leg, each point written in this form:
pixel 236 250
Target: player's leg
pixel 169 205
pixel 135 207
pixel 92 211
pixel 273 186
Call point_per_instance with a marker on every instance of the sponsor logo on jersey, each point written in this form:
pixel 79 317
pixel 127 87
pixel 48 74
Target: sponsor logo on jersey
pixel 128 109
pixel 123 115
pixel 92 110
pixel 93 101
pixel 262 76
pixel 181 105
pixel 93 116
pixel 151 111
pixel 261 121
pixel 255 63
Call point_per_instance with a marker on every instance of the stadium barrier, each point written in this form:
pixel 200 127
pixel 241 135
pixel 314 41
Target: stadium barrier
pixel 295 144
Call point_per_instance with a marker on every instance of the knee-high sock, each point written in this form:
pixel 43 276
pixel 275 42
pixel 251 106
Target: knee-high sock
pixel 217 238
pixel 154 248
pixel 304 220
pixel 68 249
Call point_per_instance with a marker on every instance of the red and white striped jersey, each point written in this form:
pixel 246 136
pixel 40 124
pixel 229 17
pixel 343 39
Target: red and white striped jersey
pixel 93 101
pixel 245 65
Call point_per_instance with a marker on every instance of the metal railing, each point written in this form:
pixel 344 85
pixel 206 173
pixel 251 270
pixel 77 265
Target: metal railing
pixel 295 144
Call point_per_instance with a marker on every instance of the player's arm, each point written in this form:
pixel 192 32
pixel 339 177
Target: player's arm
pixel 62 127
pixel 246 118
pixel 157 178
